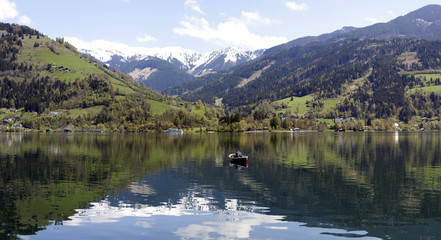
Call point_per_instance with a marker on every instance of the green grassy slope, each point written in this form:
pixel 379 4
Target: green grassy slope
pixel 297 105
pixel 61 61
pixel 47 84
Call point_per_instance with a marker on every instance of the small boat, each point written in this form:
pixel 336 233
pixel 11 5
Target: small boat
pixel 239 159
pixel 174 131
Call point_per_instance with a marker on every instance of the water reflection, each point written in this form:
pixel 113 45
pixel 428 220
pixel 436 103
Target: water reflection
pixel 234 221
pixel 231 219
pixel 310 185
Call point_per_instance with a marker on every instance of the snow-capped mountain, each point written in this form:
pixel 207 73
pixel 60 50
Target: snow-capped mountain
pixel 163 68
pixel 191 61
pixel 223 60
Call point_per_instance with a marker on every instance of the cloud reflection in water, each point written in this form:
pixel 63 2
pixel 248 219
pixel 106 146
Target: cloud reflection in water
pixel 201 219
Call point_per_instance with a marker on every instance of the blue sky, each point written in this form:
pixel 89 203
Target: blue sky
pixel 201 25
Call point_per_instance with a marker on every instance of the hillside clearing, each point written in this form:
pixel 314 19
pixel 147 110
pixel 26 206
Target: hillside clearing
pixel 159 108
pixel 254 76
pixel 297 105
pixel 426 89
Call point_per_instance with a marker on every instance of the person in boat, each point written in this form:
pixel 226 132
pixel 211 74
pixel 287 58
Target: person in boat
pixel 239 154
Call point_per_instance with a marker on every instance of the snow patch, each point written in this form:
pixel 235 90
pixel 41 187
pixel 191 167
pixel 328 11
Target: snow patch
pixel 190 60
pixel 423 22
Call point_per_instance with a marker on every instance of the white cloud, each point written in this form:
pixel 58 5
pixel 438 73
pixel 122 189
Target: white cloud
pixel 296 7
pixel 194 5
pixel 256 17
pixel 24 20
pixel 145 38
pixel 230 33
pixel 7 10
pixel 143 225
pixel 196 27
pixel 372 20
pixel 391 13
pixel 218 221
pixel 233 32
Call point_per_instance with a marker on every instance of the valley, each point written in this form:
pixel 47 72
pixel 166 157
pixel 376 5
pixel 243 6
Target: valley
pixel 372 79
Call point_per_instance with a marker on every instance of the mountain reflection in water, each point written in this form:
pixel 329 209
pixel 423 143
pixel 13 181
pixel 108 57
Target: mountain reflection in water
pixel 138 186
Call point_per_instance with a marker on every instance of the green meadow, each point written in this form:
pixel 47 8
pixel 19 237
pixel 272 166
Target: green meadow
pixel 64 64
pixel 427 89
pixel 298 104
pixel 93 111
pixel 329 103
pixel 159 107
pixel 427 78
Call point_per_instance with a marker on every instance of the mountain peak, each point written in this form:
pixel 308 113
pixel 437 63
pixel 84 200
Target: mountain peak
pixel 176 66
pixel 424 23
pixel 428 13
pixel 183 58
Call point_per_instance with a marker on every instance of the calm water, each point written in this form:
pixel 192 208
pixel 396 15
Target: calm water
pixel 296 186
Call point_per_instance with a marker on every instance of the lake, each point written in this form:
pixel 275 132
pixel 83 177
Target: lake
pixel 157 186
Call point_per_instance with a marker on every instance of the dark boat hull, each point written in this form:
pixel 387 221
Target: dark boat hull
pixel 242 161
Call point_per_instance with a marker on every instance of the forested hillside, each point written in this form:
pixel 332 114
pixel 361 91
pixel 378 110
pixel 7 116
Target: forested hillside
pixel 370 78
pixel 423 23
pixel 48 85
pixel 361 73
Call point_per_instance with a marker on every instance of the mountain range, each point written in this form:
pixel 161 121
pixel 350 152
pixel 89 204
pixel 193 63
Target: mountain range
pixel 379 71
pixel 384 71
pixel 171 69
pixel 286 70
pixel 164 68
pixel 424 23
